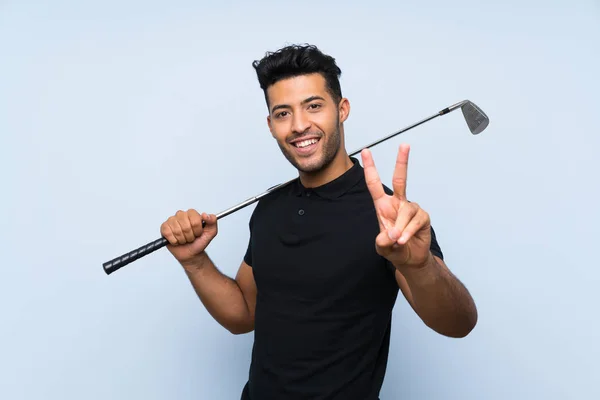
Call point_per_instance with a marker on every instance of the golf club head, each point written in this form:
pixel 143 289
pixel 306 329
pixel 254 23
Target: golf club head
pixel 476 119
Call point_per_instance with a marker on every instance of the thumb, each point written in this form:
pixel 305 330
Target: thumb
pixel 386 240
pixel 210 223
pixel 209 231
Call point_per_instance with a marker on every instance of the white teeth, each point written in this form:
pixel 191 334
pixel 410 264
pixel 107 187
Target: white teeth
pixel 305 143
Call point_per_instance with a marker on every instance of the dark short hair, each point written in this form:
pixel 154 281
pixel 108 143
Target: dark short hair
pixel 295 60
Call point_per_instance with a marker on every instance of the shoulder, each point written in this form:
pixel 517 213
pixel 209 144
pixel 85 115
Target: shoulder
pixel 269 203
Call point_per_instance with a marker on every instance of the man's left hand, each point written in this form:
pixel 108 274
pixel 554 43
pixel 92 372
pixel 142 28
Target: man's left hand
pixel 405 231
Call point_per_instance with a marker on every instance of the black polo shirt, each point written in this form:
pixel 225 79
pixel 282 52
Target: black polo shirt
pixel 325 297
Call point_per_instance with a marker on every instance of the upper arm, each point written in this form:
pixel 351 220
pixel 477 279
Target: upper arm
pixel 245 274
pixel 245 280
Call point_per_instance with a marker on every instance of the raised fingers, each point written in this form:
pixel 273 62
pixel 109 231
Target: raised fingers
pixel 371 176
pixel 401 172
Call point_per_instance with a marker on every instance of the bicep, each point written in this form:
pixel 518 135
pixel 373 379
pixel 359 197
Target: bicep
pixel 245 280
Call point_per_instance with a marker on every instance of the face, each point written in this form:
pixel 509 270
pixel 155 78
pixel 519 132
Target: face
pixel 306 122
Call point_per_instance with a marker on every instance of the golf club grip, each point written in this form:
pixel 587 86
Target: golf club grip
pixel 119 262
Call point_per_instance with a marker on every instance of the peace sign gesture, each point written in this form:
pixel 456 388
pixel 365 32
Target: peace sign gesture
pixel 405 234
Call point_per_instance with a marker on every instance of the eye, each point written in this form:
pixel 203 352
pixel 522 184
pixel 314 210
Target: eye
pixel 280 114
pixel 314 106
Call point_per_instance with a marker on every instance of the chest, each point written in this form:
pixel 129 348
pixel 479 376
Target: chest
pixel 311 249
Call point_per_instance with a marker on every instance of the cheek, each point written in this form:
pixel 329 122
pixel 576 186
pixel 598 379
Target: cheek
pixel 328 122
pixel 280 133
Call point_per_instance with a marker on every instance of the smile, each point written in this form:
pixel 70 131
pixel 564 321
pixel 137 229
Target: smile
pixel 305 143
pixel 306 147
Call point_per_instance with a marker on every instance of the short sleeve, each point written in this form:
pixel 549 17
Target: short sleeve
pixel 248 254
pixel 435 248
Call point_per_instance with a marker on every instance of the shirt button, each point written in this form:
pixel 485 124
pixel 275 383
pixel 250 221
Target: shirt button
pixel 301 212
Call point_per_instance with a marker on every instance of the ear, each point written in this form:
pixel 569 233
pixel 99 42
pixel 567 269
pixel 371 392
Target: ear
pixel 344 110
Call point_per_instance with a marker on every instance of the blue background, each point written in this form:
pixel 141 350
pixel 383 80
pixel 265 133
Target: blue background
pixel 115 114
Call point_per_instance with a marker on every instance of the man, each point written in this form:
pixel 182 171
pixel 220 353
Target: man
pixel 327 254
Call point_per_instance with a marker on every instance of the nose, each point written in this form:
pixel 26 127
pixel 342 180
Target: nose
pixel 300 123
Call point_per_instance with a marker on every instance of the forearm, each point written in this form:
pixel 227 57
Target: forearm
pixel 440 299
pixel 221 295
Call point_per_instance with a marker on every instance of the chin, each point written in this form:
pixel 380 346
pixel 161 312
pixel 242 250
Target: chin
pixel 311 166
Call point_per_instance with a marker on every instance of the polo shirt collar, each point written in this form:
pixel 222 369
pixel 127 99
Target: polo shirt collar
pixel 337 187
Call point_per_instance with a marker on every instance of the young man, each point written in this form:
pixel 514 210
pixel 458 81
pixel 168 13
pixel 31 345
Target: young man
pixel 327 253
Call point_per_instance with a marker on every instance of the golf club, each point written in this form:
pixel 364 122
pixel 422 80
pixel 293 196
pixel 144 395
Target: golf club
pixel 475 118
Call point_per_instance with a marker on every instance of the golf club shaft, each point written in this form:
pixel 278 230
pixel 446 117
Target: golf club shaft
pixel 119 262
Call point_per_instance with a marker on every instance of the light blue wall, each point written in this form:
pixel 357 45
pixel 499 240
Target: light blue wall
pixel 115 114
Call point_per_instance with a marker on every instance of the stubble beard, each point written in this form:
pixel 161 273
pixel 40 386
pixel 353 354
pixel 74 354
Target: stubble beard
pixel 330 148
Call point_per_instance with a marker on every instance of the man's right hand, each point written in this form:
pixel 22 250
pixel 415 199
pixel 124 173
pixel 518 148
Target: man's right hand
pixel 187 237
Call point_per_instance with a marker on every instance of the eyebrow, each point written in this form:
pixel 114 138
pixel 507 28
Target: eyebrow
pixel 307 100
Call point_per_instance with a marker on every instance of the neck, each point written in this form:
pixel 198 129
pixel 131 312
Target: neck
pixel 340 164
